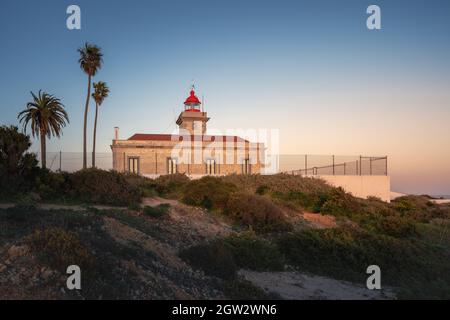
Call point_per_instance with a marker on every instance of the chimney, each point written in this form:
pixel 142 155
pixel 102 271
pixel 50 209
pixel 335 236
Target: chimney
pixel 116 133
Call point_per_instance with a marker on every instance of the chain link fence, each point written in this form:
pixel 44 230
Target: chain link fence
pixel 333 165
pixel 300 164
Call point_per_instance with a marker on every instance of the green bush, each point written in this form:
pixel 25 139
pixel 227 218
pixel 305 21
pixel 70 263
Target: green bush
pixel 257 212
pixel 339 203
pixel 346 253
pixel 60 249
pixel 239 289
pixel 262 190
pixel 102 187
pixel 158 211
pixel 18 167
pixel 52 185
pixel 215 259
pixel 169 185
pixel 404 204
pixel 277 183
pixel 208 192
pixel 253 253
pixel 395 226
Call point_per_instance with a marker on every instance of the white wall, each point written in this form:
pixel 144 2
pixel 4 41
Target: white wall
pixel 362 186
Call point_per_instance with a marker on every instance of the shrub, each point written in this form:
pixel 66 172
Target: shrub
pixel 257 212
pixel 18 168
pixel 168 185
pixel 134 206
pixel 253 253
pixel 420 208
pixel 339 203
pixel 51 185
pixel 346 253
pixel 262 190
pixel 404 204
pixel 102 187
pixel 208 192
pixel 278 183
pixel 60 249
pixel 245 290
pixel 395 226
pixel 158 211
pixel 340 253
pixel 214 259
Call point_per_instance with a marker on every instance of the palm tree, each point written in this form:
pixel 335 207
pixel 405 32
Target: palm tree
pixel 90 62
pixel 46 116
pixel 100 93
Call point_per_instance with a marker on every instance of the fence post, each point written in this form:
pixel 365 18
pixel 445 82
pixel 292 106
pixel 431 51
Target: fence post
pixel 306 164
pixel 360 165
pixel 60 156
pixel 386 165
pixel 333 166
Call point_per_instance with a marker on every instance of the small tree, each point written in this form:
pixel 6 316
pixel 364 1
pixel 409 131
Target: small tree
pixel 17 166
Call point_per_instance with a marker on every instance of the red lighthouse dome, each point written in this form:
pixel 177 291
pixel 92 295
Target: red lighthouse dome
pixel 192 103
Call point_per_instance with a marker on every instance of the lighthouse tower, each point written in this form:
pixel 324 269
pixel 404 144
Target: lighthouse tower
pixel 192 118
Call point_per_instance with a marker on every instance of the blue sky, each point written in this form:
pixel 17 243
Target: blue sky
pixel 309 68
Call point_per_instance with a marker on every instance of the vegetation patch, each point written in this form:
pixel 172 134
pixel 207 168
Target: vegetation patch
pixel 60 249
pixel 215 259
pixel 417 269
pixel 208 192
pixel 224 257
pixel 102 187
pixel 158 211
pixel 254 253
pixel 257 212
pixel 240 289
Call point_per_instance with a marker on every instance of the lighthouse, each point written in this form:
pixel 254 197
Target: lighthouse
pixel 192 118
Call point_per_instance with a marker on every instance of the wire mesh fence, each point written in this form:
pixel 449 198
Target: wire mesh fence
pixel 73 161
pixel 333 165
pixel 297 164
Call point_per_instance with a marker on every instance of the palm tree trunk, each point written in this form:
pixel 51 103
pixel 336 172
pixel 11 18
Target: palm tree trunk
pixel 86 109
pixel 95 135
pixel 43 151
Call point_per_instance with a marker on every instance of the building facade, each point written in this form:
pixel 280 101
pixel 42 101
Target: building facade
pixel 191 151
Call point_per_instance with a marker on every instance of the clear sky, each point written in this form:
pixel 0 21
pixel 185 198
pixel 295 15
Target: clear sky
pixel 309 68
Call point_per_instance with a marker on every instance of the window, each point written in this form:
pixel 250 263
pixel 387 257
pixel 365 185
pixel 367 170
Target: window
pixel 210 166
pixel 246 167
pixel 172 166
pixel 133 165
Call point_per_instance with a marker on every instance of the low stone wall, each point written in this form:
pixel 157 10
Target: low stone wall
pixel 362 186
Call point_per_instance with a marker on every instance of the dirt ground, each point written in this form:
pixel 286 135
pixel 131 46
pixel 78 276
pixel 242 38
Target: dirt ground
pixel 299 286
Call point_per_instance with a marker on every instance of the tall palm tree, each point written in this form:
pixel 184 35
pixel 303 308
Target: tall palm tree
pixel 46 116
pixel 101 92
pixel 90 62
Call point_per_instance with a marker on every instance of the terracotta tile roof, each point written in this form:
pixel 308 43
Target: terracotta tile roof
pixel 170 137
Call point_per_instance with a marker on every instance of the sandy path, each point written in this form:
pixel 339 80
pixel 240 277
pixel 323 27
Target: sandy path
pixel 49 206
pixel 320 221
pixel 298 286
